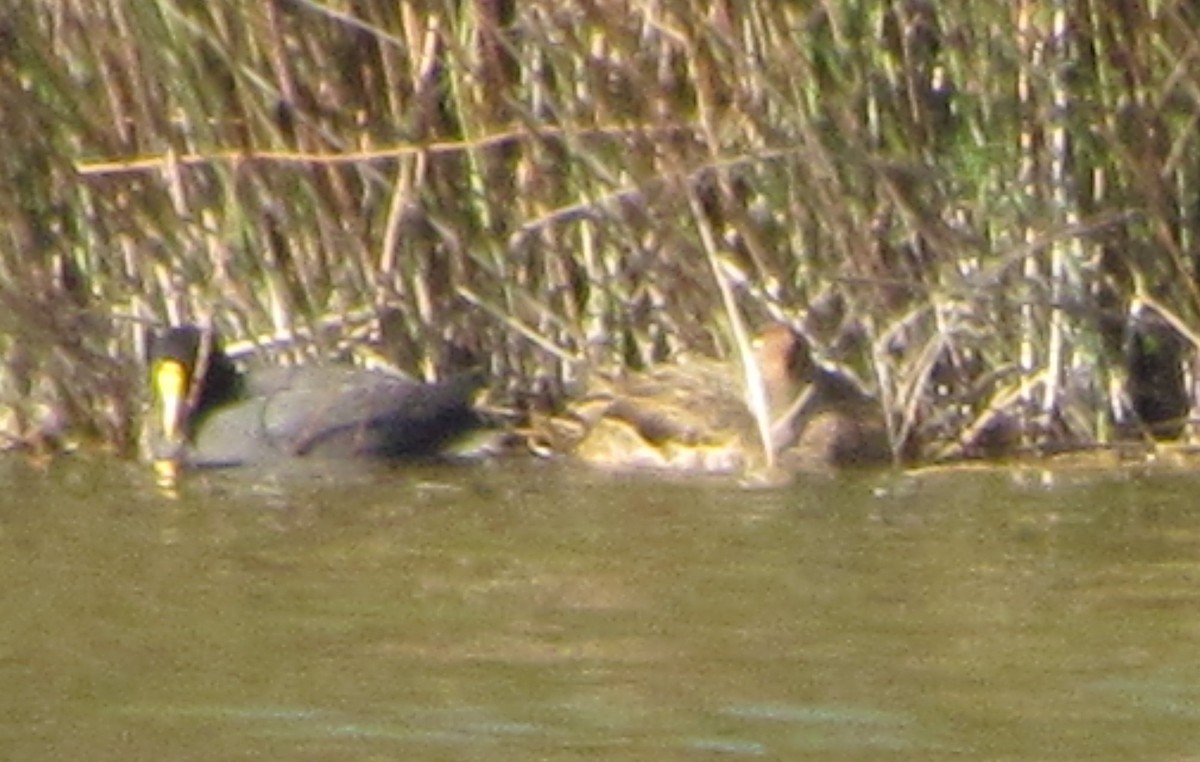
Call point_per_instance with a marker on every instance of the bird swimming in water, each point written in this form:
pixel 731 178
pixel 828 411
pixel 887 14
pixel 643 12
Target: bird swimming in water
pixel 210 413
pixel 693 417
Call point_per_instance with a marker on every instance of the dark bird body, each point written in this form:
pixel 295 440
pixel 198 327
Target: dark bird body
pixel 238 418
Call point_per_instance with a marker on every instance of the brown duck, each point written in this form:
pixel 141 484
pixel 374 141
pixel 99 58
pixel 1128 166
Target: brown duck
pixel 693 417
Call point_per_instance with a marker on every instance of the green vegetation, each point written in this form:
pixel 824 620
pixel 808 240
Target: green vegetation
pixel 987 209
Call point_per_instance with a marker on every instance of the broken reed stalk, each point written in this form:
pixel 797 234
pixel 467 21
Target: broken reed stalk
pixel 755 387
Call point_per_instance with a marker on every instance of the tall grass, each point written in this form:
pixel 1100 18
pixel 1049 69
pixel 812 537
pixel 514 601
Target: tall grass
pixel 986 209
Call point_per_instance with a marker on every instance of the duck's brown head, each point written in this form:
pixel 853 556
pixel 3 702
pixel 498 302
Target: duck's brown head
pixel 785 360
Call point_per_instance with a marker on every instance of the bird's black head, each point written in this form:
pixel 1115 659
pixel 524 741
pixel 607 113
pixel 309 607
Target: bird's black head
pixel 189 375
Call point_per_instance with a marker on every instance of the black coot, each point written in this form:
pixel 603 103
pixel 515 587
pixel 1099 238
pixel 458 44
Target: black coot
pixel 235 418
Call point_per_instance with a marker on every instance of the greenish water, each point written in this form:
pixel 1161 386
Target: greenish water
pixel 529 611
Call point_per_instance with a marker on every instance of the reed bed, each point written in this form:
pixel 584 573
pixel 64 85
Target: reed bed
pixel 987 210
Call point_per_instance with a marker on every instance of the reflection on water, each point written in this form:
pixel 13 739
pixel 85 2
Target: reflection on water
pixel 529 611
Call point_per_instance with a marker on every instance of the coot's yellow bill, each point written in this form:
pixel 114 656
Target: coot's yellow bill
pixel 170 388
